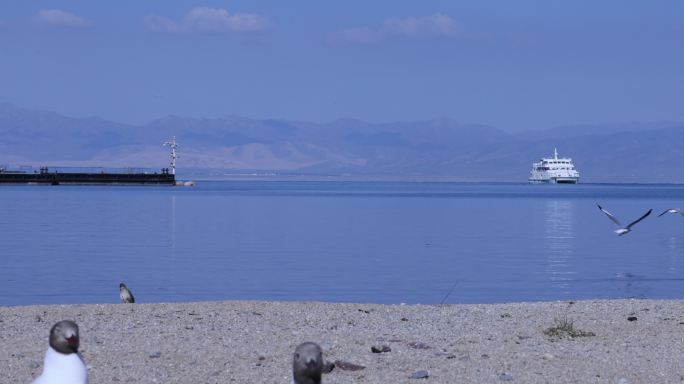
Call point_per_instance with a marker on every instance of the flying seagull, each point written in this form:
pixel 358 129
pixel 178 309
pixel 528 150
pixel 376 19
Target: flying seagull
pixel 63 364
pixel 125 294
pixel 672 210
pixel 623 230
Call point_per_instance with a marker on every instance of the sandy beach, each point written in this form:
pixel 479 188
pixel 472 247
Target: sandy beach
pixel 609 341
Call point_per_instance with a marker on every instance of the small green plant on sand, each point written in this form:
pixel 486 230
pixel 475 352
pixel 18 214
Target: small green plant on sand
pixel 565 327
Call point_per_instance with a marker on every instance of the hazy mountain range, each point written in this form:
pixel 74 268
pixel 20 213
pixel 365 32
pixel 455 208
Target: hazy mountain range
pixel 439 149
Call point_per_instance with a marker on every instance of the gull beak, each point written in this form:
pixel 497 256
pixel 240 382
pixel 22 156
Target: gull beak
pixel 72 341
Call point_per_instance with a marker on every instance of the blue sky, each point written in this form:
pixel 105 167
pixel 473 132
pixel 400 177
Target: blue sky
pixel 515 65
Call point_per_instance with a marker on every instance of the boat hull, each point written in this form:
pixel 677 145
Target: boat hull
pixel 555 180
pixel 56 178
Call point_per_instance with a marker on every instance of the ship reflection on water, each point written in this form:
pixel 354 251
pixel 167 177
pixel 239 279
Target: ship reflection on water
pixel 559 244
pixel 675 248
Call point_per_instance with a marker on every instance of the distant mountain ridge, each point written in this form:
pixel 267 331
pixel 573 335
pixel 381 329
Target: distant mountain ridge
pixel 439 149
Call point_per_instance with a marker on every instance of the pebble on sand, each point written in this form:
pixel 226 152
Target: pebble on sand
pixel 381 349
pixel 422 374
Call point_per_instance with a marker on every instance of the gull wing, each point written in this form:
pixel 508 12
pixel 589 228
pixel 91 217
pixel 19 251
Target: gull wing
pixel 610 216
pixel 639 219
pixel 672 210
pixel 667 211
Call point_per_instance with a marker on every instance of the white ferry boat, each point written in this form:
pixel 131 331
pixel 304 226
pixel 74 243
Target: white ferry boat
pixel 554 170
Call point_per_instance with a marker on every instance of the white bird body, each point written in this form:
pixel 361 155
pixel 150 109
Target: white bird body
pixel 622 230
pixel 60 368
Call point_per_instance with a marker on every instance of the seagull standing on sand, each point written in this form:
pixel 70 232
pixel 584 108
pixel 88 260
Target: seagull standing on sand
pixel 307 365
pixel 623 230
pixel 63 364
pixel 672 210
pixel 125 294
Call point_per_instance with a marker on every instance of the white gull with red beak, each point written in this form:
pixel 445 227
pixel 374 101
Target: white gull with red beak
pixel 63 364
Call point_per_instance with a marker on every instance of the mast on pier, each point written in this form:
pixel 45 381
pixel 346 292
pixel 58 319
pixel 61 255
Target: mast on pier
pixel 173 146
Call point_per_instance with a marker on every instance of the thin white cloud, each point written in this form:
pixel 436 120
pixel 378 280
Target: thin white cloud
pixel 59 18
pixel 209 21
pixel 438 25
pixel 161 24
pixel 364 35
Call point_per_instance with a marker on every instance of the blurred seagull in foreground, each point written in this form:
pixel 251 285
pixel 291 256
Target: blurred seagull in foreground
pixel 62 363
pixel 623 230
pixel 672 210
pixel 125 294
pixel 307 365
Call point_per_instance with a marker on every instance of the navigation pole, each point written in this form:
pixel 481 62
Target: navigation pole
pixel 173 146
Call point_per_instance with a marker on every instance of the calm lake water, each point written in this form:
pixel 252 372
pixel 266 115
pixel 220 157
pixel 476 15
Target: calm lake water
pixel 379 242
